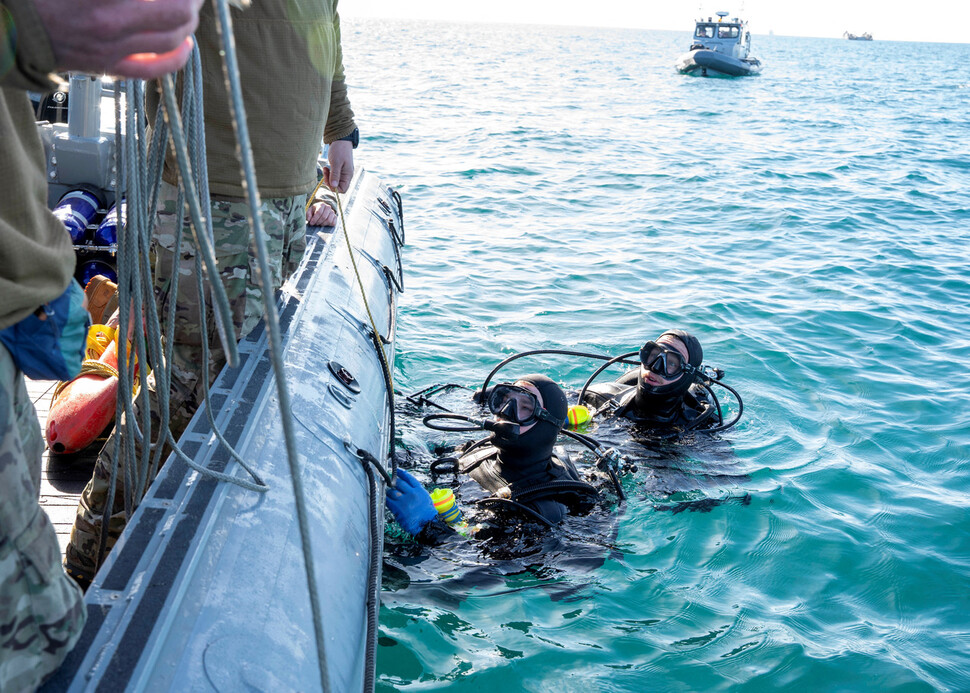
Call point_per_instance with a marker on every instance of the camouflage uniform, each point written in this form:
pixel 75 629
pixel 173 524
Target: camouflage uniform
pixel 284 221
pixel 41 612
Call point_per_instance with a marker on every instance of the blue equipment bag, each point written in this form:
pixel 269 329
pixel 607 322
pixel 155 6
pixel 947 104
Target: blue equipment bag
pixel 51 349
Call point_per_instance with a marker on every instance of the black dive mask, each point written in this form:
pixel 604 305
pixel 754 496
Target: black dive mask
pixel 519 453
pixel 518 405
pixel 661 401
pixel 664 361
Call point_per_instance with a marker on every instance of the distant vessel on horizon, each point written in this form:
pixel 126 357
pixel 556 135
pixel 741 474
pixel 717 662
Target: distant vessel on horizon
pixel 852 37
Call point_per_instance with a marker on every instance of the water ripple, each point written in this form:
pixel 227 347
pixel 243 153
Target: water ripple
pixel 564 187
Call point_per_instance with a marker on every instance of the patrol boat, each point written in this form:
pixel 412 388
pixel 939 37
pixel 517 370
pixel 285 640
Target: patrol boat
pixel 720 48
pixel 206 589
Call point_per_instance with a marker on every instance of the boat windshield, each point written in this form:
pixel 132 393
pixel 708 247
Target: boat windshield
pixel 728 31
pixel 705 30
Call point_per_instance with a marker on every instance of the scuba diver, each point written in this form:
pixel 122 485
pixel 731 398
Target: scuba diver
pixel 515 468
pixel 665 391
pixel 519 477
pixel 668 394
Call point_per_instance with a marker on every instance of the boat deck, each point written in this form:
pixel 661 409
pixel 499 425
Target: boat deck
pixel 62 476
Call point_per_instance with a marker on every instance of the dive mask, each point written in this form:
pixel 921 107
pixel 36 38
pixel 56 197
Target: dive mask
pixel 665 362
pixel 516 404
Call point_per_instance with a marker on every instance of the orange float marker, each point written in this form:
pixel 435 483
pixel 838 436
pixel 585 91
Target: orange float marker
pixel 82 408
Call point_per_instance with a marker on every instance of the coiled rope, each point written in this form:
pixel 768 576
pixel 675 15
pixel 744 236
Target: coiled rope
pixel 138 184
pixel 88 367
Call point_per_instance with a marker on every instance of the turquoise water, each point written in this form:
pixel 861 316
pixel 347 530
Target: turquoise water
pixel 565 188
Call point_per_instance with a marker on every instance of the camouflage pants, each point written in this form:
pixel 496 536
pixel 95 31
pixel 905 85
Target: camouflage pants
pixel 41 613
pixel 284 221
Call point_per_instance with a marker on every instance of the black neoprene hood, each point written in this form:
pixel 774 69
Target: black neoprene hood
pixel 663 396
pixel 535 445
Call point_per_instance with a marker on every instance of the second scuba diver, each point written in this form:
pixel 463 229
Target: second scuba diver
pixel 665 392
pixel 668 394
pixel 515 468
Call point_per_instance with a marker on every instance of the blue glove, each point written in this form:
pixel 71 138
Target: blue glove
pixel 410 503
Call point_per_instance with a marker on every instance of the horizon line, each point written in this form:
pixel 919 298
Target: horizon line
pixel 769 34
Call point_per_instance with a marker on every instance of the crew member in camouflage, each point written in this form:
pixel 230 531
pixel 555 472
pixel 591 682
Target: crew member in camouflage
pixel 41 612
pixel 286 50
pixel 284 221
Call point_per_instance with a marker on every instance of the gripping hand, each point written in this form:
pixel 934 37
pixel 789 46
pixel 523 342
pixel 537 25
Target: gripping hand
pixel 410 503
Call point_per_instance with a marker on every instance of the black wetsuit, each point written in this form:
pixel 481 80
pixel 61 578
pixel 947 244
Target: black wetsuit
pixel 691 410
pixel 521 471
pixel 547 487
pixel 546 490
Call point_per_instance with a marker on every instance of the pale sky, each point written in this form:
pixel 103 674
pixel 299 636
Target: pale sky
pixel 889 20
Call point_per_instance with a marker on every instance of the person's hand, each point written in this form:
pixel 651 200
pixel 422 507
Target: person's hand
pixel 410 503
pixel 321 214
pixel 341 169
pixel 128 38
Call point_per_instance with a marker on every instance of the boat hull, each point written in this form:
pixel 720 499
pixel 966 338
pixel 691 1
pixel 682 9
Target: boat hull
pixel 207 589
pixel 711 63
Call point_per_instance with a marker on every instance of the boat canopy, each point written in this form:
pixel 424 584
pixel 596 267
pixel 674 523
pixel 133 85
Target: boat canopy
pixel 726 37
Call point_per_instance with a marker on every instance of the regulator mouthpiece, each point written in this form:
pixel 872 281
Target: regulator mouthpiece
pixel 503 427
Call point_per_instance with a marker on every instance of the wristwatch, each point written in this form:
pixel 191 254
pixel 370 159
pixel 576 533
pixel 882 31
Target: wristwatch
pixel 353 138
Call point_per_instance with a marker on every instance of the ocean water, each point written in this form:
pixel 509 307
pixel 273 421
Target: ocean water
pixel 566 188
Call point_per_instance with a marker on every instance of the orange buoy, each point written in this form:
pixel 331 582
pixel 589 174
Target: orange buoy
pixel 82 408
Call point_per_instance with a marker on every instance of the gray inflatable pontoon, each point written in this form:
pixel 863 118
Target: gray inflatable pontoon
pixel 706 62
pixel 206 590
